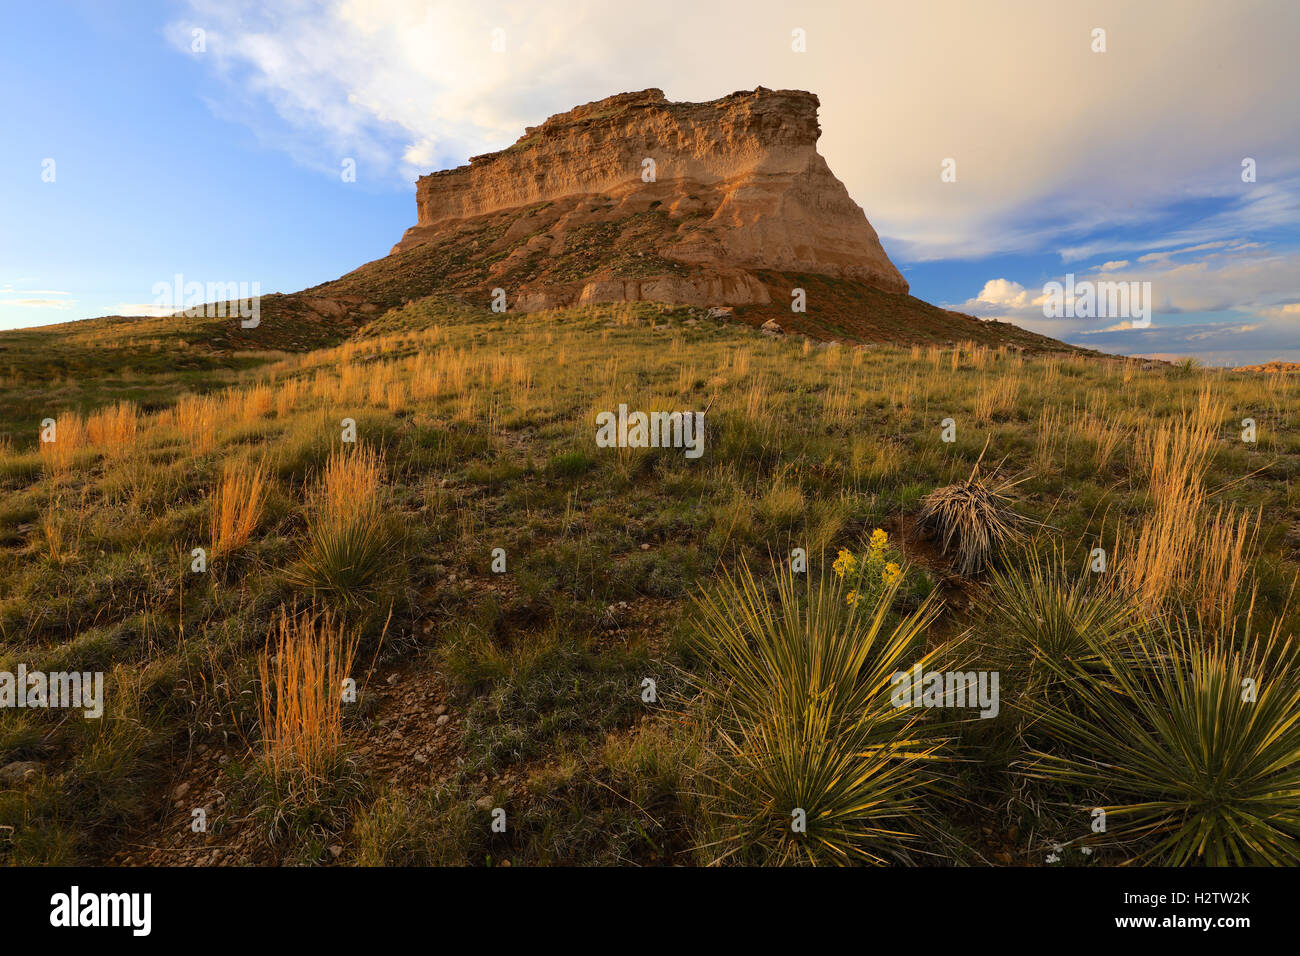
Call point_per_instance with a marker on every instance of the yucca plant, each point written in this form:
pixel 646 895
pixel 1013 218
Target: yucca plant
pixel 973 521
pixel 1041 624
pixel 1190 745
pixel 796 691
pixel 350 540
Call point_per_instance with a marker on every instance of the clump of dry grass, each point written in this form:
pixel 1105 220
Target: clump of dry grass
pixel 1192 557
pixel 740 360
pixel 973 521
pixel 235 507
pixel 1177 455
pixel 349 485
pixel 251 404
pixel 195 417
pixel 62 532
pixel 997 397
pixel 395 396
pixel 68 437
pixel 307 658
pixel 1049 430
pixel 838 402
pixel 1224 566
pixel 1182 551
pixel 287 394
pixel 113 429
pixel 1105 433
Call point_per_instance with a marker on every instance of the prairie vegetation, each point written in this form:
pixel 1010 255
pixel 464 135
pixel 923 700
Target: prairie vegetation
pixel 627 665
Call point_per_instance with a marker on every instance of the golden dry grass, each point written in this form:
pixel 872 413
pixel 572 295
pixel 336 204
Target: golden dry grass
pixel 307 658
pixel 1106 434
pixel 62 527
pixel 195 417
pixel 349 486
pixel 69 437
pixel 1182 552
pixel 113 429
pixel 235 507
pixel 997 396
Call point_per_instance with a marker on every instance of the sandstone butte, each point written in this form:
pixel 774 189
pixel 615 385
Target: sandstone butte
pixel 736 184
pixel 740 211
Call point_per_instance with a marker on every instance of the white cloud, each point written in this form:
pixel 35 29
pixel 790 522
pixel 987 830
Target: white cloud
pixel 1117 327
pixel 1287 311
pixel 1000 294
pixel 142 309
pixel 1242 291
pixel 41 303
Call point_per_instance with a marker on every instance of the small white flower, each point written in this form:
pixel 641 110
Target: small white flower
pixel 1086 850
pixel 1052 858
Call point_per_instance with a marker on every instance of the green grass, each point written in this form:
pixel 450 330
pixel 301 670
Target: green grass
pixel 489 443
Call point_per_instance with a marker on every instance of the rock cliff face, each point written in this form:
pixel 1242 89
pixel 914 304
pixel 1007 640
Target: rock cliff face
pixel 634 197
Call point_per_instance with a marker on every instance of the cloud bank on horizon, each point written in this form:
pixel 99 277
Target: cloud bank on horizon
pixel 1124 163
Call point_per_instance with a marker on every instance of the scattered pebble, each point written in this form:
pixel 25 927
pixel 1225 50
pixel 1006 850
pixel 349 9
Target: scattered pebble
pixel 15 773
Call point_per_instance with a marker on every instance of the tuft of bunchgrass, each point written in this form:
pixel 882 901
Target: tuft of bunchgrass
pixel 302 669
pixel 114 427
pixel 795 692
pixel 196 417
pixel 235 507
pixel 1191 746
pixel 67 439
pixel 973 521
pixel 1183 554
pixel 63 528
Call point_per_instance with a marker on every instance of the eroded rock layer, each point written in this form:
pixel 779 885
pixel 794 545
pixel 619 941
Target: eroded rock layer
pixel 689 198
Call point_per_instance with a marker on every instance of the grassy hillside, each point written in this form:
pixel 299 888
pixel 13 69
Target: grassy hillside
pixel 646 681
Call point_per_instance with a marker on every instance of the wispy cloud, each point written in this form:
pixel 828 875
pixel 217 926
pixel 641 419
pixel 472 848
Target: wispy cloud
pixel 143 309
pixel 40 303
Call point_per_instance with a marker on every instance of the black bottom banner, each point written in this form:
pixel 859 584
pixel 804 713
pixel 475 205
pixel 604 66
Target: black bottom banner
pixel 139 905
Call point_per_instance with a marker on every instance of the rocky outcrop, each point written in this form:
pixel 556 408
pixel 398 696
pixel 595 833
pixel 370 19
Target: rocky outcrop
pixel 711 191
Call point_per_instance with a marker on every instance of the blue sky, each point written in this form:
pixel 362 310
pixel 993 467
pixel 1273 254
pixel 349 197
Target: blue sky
pixel 149 179
pixel 223 164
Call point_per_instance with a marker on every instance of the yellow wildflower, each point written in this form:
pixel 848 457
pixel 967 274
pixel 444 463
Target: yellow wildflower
pixel 844 563
pixel 891 573
pixel 851 598
pixel 879 539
